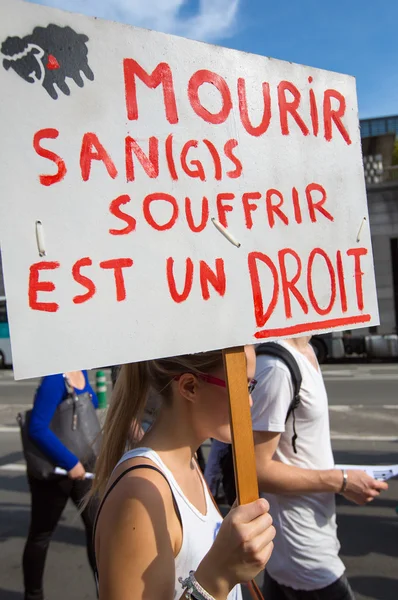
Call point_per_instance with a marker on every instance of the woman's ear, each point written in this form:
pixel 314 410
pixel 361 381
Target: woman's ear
pixel 188 386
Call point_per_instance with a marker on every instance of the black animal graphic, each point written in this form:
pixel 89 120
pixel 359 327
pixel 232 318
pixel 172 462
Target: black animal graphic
pixel 49 55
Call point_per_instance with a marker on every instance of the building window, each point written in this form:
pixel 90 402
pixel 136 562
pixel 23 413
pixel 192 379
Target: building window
pixel 392 125
pixel 365 130
pixel 379 126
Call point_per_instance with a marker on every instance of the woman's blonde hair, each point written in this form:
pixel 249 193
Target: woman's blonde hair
pixel 129 398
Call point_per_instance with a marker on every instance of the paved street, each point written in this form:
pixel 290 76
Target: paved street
pixel 364 424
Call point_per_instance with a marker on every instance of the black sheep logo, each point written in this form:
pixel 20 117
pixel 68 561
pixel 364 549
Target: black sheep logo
pixel 48 56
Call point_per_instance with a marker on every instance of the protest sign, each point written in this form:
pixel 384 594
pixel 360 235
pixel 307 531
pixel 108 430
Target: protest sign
pixel 161 196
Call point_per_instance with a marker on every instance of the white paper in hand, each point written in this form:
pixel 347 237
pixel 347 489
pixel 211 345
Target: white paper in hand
pixel 381 472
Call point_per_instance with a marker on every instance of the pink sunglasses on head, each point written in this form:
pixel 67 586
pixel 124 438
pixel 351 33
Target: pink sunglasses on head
pixel 220 382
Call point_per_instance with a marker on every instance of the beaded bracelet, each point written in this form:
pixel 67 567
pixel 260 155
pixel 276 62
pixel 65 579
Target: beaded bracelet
pixel 193 588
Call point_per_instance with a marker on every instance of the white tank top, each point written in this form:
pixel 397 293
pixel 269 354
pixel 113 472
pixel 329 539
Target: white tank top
pixel 198 530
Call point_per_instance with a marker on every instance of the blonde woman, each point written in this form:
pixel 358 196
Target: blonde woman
pixel 159 535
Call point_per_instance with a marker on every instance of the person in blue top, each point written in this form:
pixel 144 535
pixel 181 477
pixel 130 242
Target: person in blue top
pixel 49 497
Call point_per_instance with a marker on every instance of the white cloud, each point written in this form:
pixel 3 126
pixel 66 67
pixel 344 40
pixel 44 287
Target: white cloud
pixel 213 20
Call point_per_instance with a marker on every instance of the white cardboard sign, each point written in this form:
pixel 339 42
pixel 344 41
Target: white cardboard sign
pixel 123 149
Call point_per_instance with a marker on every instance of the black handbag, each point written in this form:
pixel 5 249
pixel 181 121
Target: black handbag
pixel 75 423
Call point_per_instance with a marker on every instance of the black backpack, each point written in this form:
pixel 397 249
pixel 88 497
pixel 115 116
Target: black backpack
pixel 279 351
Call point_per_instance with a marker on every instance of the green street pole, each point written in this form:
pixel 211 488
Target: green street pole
pixel 100 383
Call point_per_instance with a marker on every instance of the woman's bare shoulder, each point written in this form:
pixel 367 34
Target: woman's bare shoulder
pixel 142 497
pixel 136 536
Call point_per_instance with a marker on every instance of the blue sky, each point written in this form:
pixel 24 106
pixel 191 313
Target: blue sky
pixel 358 37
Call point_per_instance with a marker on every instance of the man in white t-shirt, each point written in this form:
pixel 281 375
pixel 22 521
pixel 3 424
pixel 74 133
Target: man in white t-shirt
pixel 300 486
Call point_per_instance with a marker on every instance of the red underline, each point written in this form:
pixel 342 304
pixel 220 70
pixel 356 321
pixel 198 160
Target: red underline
pixel 316 326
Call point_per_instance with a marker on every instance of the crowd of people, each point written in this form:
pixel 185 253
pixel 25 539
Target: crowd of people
pixel 153 528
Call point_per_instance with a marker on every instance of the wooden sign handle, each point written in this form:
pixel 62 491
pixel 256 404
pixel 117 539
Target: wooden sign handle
pixel 241 425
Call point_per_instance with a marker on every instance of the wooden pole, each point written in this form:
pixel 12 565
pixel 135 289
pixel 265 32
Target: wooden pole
pixel 241 425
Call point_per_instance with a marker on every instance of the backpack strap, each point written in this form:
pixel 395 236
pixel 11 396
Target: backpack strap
pixel 278 351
